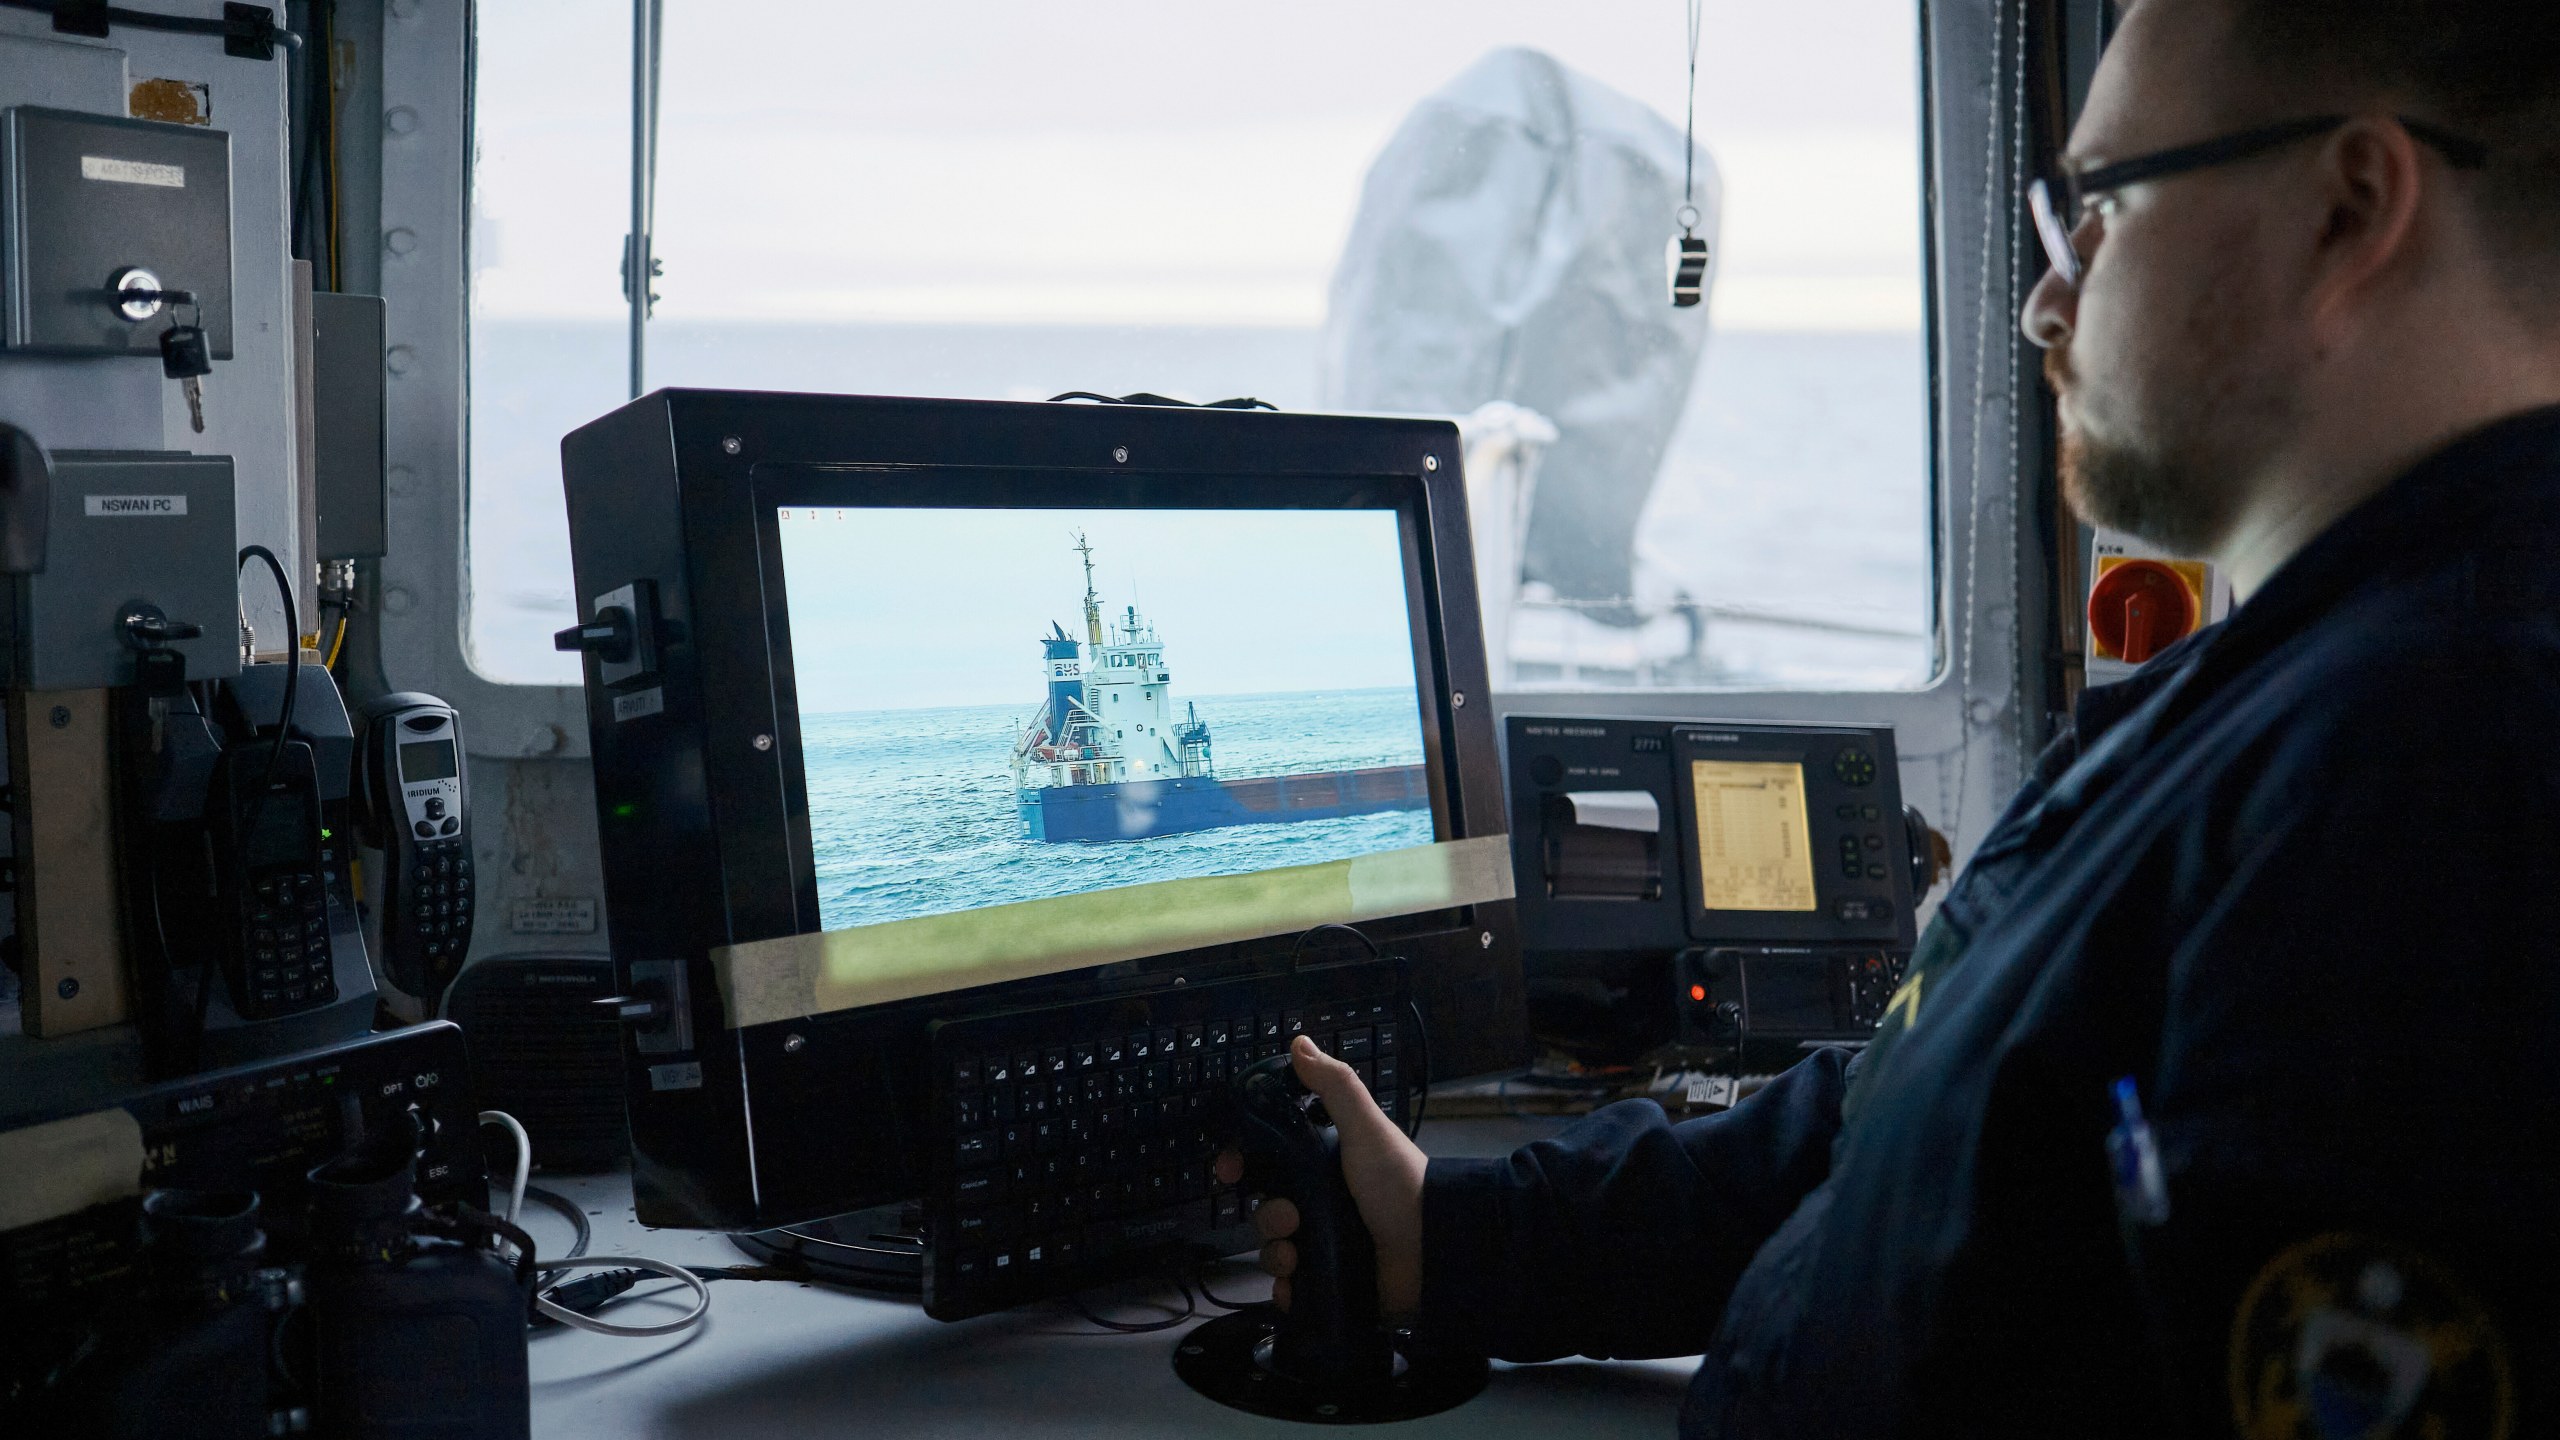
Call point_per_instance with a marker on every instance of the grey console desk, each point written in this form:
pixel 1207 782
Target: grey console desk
pixel 782 1359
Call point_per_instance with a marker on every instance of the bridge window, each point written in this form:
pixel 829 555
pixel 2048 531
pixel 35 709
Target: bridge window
pixel 1012 199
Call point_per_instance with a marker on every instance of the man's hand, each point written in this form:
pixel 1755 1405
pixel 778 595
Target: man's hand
pixel 1383 1168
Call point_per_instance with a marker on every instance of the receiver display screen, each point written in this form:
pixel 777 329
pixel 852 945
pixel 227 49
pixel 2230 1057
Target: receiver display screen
pixel 426 760
pixel 1754 846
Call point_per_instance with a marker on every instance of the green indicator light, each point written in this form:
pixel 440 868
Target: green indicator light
pixel 327 833
pixel 625 811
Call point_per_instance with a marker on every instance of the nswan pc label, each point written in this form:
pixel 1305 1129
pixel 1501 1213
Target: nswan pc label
pixel 133 505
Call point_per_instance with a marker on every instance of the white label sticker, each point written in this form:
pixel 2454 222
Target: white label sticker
pixel 552 917
pixel 133 172
pixel 652 701
pixel 682 1075
pixel 134 504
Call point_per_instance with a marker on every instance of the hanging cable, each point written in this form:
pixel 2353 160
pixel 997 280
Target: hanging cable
pixel 1689 129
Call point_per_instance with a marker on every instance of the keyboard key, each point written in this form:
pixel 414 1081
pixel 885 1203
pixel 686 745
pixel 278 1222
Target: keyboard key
pixel 964 1073
pixel 1386 1042
pixel 1387 1069
pixel 1114 1051
pixel 1167 1040
pixel 1081 1056
pixel 1142 1044
pixel 1217 1032
pixel 975 1150
pixel 1194 1039
pixel 1228 1209
pixel 1293 1023
pixel 1354 1045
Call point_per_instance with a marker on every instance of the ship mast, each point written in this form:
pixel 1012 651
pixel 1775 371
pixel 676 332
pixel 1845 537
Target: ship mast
pixel 1092 601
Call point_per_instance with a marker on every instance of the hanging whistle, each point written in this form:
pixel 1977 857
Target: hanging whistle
pixel 1685 260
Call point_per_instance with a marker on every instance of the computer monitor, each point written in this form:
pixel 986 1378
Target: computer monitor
pixel 912 710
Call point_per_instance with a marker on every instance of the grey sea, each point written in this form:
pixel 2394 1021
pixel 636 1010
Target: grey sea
pixel 912 811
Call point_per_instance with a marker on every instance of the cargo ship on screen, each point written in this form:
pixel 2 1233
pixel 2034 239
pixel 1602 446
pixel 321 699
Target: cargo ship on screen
pixel 1108 758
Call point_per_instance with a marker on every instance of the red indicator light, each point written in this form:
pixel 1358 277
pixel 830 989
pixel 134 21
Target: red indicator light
pixel 1697 992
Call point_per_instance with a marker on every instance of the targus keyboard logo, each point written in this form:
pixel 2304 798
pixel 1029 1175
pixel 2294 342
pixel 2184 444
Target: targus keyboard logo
pixel 136 504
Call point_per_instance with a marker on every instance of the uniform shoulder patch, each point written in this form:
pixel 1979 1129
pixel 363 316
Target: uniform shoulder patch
pixel 2352 1337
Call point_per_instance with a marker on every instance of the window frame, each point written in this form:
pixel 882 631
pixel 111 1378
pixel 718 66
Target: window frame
pixel 1963 735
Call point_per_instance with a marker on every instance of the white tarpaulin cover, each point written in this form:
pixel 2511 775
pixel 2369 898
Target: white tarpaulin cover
pixel 1509 246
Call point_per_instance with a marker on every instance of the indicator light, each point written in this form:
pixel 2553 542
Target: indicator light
pixel 1697 992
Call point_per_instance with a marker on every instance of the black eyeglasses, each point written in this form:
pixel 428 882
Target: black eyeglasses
pixel 2056 222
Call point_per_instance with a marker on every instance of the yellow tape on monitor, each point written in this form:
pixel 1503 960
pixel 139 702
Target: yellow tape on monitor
pixel 768 980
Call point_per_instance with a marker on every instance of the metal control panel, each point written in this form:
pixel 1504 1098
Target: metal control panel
pixel 93 207
pixel 1655 836
pixel 145 534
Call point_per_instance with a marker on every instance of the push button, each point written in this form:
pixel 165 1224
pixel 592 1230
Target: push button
pixel 435 809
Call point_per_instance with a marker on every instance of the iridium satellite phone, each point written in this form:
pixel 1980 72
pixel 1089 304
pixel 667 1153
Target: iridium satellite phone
pixel 409 771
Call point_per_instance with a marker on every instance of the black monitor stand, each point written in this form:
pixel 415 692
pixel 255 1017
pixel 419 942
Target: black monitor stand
pixel 1326 1359
pixel 880 1251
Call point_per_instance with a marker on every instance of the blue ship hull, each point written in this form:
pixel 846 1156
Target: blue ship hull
pixel 1137 809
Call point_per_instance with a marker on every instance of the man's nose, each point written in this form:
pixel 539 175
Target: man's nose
pixel 2047 318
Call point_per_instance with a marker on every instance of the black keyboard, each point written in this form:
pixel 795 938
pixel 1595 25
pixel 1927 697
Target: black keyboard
pixel 1077 1142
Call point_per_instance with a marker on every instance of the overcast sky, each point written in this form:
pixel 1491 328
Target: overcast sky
pixel 1145 161
pixel 907 609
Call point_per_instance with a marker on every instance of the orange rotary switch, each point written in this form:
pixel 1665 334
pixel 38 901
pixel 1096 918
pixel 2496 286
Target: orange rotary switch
pixel 2139 608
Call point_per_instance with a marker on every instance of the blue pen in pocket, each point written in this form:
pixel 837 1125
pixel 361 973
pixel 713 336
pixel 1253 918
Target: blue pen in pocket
pixel 2133 1152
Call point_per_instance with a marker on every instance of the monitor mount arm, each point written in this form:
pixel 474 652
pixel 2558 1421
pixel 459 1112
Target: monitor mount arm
pixel 1326 1359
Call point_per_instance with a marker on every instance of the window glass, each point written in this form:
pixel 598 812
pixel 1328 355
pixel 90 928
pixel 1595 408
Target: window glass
pixel 1430 205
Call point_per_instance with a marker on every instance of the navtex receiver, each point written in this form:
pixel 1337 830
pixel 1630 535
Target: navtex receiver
pixel 1769 867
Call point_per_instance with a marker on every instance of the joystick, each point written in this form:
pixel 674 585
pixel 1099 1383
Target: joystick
pixel 1327 1359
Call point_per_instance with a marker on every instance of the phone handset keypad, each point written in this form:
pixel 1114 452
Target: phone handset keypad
pixel 289 957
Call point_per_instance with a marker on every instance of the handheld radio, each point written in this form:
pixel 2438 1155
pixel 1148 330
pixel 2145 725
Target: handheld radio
pixel 409 771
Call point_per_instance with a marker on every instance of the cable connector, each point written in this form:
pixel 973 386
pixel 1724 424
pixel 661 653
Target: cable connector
pixel 588 1295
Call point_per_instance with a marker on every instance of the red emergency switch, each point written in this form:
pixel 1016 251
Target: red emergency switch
pixel 2139 608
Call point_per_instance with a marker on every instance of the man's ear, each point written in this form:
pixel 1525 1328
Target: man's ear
pixel 2371 182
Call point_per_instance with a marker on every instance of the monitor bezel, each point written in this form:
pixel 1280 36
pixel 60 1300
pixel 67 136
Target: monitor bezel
pixel 775 487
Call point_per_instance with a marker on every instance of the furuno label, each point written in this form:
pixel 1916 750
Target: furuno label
pixel 134 504
pixel 132 172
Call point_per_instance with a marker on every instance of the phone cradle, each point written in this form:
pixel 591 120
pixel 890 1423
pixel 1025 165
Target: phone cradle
pixel 1327 1360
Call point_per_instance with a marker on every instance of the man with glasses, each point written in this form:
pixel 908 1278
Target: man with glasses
pixel 2222 1097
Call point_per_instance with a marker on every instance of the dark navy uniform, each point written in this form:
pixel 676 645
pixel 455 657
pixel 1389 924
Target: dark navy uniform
pixel 2298 881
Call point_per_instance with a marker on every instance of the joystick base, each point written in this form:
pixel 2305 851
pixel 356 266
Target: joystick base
pixel 1228 1361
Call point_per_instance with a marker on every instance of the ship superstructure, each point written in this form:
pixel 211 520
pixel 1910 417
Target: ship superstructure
pixel 1108 716
pixel 1108 758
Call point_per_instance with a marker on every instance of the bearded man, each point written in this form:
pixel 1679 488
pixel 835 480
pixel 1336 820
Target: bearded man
pixel 2220 1099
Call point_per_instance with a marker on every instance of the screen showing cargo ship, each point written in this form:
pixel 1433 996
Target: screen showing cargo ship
pixel 1753 849
pixel 1000 706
